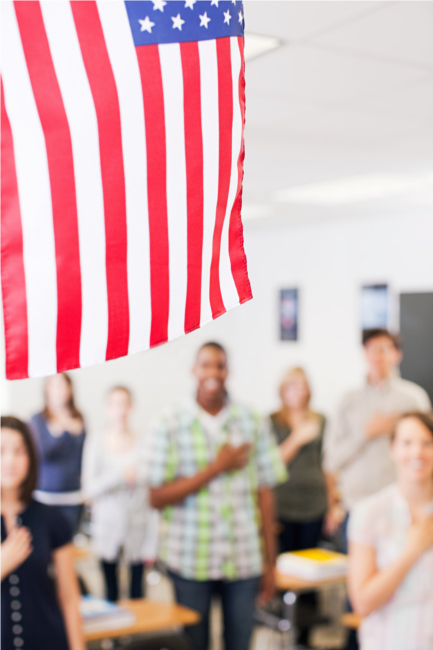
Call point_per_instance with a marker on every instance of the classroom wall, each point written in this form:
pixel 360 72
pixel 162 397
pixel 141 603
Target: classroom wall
pixel 329 262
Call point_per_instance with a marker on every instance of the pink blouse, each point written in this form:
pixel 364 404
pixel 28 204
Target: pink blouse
pixel 406 621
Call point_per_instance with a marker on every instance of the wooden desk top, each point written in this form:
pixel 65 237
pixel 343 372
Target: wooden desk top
pixel 150 617
pixel 351 620
pixel 285 582
pixel 81 553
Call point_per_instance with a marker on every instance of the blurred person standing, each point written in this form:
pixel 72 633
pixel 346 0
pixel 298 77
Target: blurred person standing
pixel 302 502
pixel 115 482
pixel 59 434
pixel 391 547
pixel 357 439
pixel 212 473
pixel 39 591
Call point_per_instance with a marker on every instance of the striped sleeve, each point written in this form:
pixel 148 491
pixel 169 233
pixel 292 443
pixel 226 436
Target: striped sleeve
pixel 161 452
pixel 270 467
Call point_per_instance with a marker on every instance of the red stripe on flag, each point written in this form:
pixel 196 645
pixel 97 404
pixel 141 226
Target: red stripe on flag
pixel 12 262
pixel 57 136
pixel 194 180
pixel 153 100
pixel 225 110
pixel 104 92
pixel 238 258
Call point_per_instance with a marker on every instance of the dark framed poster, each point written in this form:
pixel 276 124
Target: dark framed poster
pixel 289 314
pixel 374 307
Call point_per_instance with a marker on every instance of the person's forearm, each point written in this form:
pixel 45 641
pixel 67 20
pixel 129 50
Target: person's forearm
pixel 101 484
pixel 5 570
pixel 381 425
pixel 69 596
pixel 7 566
pixel 377 590
pixel 289 449
pixel 332 494
pixel 267 511
pixel 179 489
pixel 73 622
pixel 340 452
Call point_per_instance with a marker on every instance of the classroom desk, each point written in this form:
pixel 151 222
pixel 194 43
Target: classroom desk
pixel 81 553
pixel 351 620
pixel 150 616
pixel 292 586
pixel 285 582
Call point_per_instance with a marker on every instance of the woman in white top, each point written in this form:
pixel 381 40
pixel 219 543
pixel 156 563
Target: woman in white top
pixel 114 481
pixel 391 547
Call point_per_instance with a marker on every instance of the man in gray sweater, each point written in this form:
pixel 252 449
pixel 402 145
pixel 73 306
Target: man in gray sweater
pixel 356 447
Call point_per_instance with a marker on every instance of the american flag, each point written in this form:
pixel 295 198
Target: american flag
pixel 122 166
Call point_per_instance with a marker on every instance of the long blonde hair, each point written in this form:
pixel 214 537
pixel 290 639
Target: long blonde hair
pixel 282 415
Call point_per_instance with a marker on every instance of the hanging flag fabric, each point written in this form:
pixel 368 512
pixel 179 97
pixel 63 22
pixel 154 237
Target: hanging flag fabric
pixel 122 167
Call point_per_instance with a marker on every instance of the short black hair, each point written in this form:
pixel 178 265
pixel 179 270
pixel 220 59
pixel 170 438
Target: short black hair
pixel 29 483
pixel 369 335
pixel 214 345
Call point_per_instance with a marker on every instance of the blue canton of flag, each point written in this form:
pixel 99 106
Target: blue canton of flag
pixel 171 21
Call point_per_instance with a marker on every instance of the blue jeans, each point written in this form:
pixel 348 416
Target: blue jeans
pixel 238 602
pixel 297 536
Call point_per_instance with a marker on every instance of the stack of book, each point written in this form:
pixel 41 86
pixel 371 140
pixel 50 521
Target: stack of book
pixel 313 564
pixel 100 615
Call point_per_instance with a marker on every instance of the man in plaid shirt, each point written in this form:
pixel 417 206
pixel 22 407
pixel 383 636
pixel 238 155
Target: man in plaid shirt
pixel 213 467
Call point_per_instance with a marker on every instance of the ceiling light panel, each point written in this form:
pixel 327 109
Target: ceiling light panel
pixel 354 189
pixel 256 45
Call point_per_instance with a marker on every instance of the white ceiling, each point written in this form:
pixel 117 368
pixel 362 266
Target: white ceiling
pixel 349 92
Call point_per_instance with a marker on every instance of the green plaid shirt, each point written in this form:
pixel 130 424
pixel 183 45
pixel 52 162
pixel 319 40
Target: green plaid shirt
pixel 214 533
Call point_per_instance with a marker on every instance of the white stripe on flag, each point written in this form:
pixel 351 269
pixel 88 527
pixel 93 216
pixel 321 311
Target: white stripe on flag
pixel 210 129
pixel 35 200
pixel 172 82
pixel 121 50
pixel 83 126
pixel 228 287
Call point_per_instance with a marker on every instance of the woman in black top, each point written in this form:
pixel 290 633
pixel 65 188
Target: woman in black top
pixel 40 596
pixel 302 502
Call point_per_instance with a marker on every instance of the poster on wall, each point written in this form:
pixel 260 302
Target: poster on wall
pixel 374 307
pixel 289 312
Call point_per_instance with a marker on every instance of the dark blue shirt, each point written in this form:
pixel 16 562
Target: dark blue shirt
pixel 60 457
pixel 30 612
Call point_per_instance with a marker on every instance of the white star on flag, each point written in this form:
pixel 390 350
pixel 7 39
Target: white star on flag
pixel 204 20
pixel 159 4
pixel 177 22
pixel 189 4
pixel 146 25
pixel 234 2
pixel 214 3
pixel 227 17
pixel 240 17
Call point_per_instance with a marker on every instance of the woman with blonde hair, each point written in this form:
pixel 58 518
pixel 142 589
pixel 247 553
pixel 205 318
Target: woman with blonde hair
pixel 302 501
